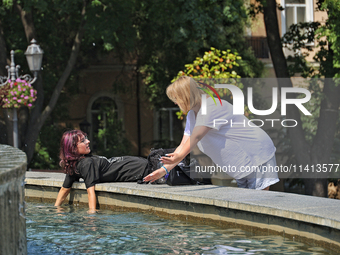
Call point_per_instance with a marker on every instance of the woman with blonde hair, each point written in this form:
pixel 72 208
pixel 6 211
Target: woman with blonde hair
pixel 246 151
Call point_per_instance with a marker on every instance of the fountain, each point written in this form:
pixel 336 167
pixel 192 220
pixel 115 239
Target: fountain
pixel 13 164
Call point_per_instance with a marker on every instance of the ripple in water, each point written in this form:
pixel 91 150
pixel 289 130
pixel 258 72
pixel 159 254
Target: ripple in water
pixel 71 230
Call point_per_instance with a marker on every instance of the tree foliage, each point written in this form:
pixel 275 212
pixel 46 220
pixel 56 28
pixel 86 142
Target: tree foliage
pixel 156 36
pixel 219 67
pixel 184 31
pixel 214 64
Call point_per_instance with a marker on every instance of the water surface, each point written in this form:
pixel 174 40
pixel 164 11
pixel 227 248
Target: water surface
pixel 71 230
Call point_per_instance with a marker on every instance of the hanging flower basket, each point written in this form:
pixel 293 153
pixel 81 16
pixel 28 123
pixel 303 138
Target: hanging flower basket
pixel 16 94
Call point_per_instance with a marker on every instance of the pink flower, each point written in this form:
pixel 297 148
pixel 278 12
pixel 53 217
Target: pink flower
pixel 14 98
pixel 19 100
pixel 26 97
pixel 29 105
pixel 22 96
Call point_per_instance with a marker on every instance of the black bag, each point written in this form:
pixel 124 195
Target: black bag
pixel 154 163
pixel 186 175
pixel 180 175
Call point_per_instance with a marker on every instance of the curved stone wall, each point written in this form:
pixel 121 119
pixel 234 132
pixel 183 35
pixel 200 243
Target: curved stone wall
pixel 311 220
pixel 13 164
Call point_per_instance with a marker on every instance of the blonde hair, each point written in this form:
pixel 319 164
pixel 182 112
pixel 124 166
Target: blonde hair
pixel 185 92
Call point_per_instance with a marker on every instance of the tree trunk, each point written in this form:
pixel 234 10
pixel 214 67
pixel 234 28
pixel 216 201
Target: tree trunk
pixel 3 52
pixel 39 115
pixel 323 142
pixel 300 146
pixel 5 123
pixel 27 22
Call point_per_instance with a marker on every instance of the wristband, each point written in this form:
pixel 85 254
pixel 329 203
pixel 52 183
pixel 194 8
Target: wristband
pixel 166 170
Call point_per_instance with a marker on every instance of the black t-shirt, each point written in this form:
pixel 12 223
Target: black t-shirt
pixel 98 169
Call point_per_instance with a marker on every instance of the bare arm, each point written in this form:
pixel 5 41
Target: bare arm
pixel 92 199
pixel 181 145
pixel 63 193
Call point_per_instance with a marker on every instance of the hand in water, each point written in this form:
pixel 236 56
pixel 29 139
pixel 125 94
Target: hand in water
pixel 92 211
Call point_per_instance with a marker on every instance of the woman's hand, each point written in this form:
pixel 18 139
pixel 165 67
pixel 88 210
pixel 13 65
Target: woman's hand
pixel 171 158
pixel 155 175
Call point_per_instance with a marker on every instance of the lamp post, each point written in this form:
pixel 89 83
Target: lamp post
pixel 34 56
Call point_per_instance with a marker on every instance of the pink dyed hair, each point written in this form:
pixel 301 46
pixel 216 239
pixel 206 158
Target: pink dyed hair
pixel 69 155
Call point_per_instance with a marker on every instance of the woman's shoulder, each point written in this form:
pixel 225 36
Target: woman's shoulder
pixel 87 159
pixel 86 163
pixel 191 116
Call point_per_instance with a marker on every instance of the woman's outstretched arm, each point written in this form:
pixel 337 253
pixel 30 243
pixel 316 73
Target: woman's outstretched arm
pixel 92 199
pixel 63 192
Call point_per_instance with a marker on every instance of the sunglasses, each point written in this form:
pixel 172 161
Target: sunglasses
pixel 84 139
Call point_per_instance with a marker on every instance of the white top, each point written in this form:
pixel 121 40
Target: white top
pixel 231 142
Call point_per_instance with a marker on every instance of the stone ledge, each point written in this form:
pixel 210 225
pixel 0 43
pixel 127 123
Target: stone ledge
pixel 320 211
pixel 306 217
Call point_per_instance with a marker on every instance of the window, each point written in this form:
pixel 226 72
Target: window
pixel 168 128
pixel 259 46
pixel 103 111
pixel 296 11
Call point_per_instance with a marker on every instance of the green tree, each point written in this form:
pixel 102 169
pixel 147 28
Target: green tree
pixel 160 36
pixel 68 33
pixel 212 66
pixel 171 34
pixel 219 67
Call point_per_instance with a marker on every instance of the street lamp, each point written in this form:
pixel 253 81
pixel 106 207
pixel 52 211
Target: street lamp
pixel 34 56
